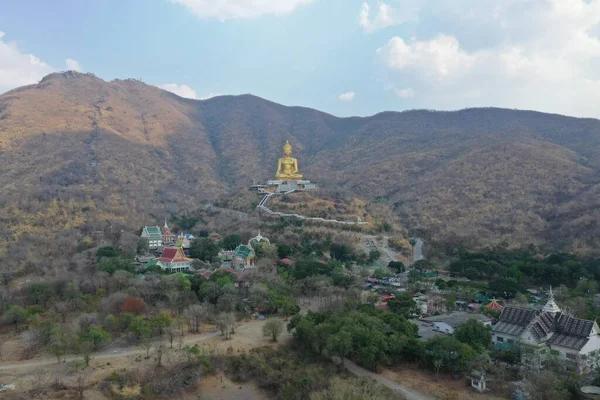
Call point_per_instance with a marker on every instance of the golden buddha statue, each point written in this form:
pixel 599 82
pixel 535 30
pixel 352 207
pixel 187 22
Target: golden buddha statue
pixel 287 168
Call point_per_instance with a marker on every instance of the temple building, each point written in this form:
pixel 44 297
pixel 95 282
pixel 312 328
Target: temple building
pixel 153 235
pixel 168 238
pixel 173 259
pixel 547 332
pixel 256 240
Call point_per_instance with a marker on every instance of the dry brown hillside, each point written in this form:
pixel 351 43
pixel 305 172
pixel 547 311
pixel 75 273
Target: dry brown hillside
pixel 78 153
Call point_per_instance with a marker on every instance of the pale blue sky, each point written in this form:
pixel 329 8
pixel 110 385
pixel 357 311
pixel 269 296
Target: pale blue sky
pixel 535 54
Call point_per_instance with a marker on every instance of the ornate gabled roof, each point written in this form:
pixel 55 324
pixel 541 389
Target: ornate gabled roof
pixel 494 305
pixel 173 255
pixel 573 326
pixel 551 306
pixel 244 252
pixel 256 240
pixel 165 231
pixel 151 232
pixel 514 320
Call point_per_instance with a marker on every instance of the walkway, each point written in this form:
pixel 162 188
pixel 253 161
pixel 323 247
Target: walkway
pixel 263 207
pixel 409 393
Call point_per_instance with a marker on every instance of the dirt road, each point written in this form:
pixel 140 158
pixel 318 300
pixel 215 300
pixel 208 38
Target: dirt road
pixel 106 355
pixel 409 393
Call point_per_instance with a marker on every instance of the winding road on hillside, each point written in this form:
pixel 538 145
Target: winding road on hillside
pixel 418 250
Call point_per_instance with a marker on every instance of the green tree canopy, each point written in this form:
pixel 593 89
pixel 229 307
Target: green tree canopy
pixel 475 334
pixel 204 249
pixel 230 242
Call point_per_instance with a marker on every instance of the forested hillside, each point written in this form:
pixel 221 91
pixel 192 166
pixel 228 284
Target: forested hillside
pixel 79 153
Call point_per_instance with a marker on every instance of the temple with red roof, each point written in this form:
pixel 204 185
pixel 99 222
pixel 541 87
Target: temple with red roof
pixel 494 305
pixel 173 259
pixel 168 238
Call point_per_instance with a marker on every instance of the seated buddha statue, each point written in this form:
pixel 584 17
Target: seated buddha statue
pixel 287 168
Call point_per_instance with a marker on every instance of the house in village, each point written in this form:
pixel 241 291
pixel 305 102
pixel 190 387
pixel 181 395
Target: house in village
pixel 447 323
pixel 547 332
pixel 173 259
pixel 153 235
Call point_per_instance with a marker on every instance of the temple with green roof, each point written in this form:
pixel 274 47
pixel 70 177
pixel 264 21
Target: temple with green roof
pixel 153 235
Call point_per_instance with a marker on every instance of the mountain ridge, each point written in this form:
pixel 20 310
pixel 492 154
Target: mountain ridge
pixel 471 177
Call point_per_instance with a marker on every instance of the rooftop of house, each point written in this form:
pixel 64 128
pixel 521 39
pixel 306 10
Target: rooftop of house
pixel 457 318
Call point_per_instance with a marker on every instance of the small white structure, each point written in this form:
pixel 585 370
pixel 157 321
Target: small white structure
pixel 477 379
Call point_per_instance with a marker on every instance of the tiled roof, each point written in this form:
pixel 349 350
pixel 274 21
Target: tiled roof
pixel 153 232
pixel 508 328
pixel 243 252
pixel 573 326
pixel 173 255
pixel 517 315
pixel 568 341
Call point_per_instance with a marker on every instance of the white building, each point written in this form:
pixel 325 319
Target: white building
pixel 547 332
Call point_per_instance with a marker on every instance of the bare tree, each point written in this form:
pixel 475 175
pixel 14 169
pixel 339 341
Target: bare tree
pixel 81 382
pixel 62 308
pixel 194 316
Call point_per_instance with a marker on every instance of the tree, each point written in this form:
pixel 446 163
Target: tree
pixel 283 250
pixel 133 305
pixel 96 336
pixel 58 341
pixel 508 287
pixel 475 334
pixel 226 323
pixel 423 265
pixel 204 249
pixel 15 315
pixel 403 304
pixel 139 327
pixel 374 256
pixel 397 266
pixel 142 246
pixel 161 321
pixel 380 273
pixel 273 328
pixel 194 316
pixel 340 344
pixel 230 242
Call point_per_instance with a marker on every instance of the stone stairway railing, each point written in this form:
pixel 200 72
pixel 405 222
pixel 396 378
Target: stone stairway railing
pixel 263 207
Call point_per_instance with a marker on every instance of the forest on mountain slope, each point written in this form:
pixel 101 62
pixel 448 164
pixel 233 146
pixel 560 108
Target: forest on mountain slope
pixel 79 154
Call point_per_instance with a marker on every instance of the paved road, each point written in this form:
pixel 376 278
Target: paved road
pixel 409 393
pixel 112 354
pixel 418 250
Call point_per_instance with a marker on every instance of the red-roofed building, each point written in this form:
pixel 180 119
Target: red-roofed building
pixel 173 259
pixel 494 305
pixel 286 261
pixel 168 238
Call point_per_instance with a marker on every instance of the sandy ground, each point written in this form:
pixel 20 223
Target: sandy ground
pixel 249 335
pixel 440 387
pixel 221 388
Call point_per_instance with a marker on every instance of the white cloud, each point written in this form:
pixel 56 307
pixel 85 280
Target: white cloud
pixel 179 90
pixel 407 93
pixel 385 15
pixel 209 96
pixel 18 68
pixel 347 97
pixel 533 54
pixel 237 9
pixel 440 58
pixel 73 65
